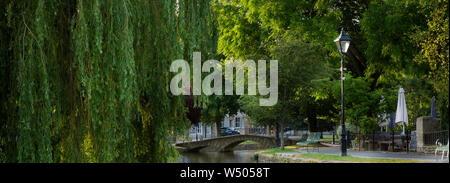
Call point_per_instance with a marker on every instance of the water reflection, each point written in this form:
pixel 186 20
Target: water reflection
pixel 241 156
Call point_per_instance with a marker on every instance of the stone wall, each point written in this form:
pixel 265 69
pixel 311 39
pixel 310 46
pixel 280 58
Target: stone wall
pixel 227 143
pixel 425 124
pixel 427 149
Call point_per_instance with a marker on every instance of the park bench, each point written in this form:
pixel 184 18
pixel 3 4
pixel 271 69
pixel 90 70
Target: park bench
pixel 442 148
pixel 312 139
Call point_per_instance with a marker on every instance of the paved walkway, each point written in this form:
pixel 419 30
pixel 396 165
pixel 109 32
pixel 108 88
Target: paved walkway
pixel 380 154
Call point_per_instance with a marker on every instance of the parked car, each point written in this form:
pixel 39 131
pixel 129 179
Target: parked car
pixel 225 131
pixel 236 132
pixel 289 132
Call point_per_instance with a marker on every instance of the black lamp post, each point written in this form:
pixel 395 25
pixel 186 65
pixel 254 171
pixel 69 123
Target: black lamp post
pixel 343 42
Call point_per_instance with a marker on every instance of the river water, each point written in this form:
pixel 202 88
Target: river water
pixel 238 156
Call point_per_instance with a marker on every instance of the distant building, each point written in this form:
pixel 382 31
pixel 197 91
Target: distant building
pixel 239 121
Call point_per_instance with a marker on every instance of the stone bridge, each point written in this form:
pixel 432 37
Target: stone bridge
pixel 227 143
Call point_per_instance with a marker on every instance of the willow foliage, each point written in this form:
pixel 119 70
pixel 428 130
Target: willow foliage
pixel 106 69
pixel 165 31
pixel 156 47
pixel 32 46
pixel 87 80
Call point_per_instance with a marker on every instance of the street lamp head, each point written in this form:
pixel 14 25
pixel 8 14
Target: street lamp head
pixel 342 42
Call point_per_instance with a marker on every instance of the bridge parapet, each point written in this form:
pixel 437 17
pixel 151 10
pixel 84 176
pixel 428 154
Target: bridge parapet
pixel 227 143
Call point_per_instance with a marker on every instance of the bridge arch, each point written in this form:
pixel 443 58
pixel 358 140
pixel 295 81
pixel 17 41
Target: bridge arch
pixel 227 143
pixel 263 141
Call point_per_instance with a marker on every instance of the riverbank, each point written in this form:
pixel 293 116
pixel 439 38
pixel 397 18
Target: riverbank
pixel 293 154
pixel 288 158
pixel 323 158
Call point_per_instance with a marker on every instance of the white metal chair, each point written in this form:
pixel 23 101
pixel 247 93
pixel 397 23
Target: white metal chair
pixel 442 148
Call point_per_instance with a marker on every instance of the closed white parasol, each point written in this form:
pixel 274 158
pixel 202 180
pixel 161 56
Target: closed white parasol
pixel 383 119
pixel 401 116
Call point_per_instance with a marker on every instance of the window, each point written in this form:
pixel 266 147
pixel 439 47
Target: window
pixel 226 122
pixel 238 123
pixel 199 128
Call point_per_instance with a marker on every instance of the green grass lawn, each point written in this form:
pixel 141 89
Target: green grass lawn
pixel 320 156
pixel 249 142
pixel 278 150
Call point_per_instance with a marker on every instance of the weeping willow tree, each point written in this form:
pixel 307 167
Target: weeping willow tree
pixel 104 60
pixel 165 31
pixel 156 46
pixel 87 80
pixel 30 123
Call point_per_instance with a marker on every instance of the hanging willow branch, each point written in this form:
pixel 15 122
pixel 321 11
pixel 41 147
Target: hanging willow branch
pixel 89 79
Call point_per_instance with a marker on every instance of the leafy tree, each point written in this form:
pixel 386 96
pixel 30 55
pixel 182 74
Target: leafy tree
pixel 87 80
pixel 386 26
pixel 361 105
pixel 433 42
pixel 299 63
pixel 218 107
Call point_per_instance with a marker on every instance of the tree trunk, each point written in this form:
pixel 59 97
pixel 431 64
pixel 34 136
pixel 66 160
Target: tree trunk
pixel 204 126
pixel 218 128
pixel 282 136
pixel 357 60
pixel 277 135
pixel 375 76
pixel 312 123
